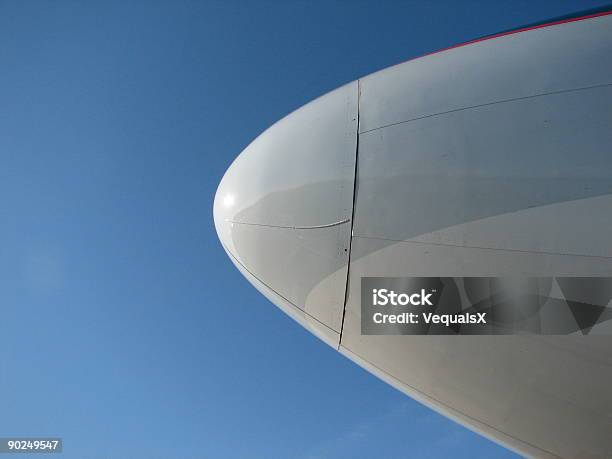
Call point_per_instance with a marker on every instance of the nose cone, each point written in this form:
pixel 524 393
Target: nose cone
pixel 283 210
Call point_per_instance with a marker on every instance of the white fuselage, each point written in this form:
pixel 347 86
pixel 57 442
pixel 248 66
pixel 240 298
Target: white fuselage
pixel 489 159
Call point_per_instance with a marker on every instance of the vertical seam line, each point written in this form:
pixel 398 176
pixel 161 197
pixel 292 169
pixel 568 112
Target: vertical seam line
pixel 350 244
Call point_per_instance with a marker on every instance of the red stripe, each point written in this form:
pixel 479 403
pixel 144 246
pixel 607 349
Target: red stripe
pixel 511 32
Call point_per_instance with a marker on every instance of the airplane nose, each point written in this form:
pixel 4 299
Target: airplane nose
pixel 283 210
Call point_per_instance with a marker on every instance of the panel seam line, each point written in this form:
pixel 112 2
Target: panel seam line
pixel 487 104
pixel 350 242
pixel 446 244
pixel 327 225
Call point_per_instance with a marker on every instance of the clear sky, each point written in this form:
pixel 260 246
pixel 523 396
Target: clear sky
pixel 125 328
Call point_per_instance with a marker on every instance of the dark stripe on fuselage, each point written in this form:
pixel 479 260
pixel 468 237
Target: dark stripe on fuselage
pixel 578 16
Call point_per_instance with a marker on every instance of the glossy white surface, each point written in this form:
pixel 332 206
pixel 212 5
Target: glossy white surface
pixel 283 208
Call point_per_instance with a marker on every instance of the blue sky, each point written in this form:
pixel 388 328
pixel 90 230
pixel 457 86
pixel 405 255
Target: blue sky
pixel 124 328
